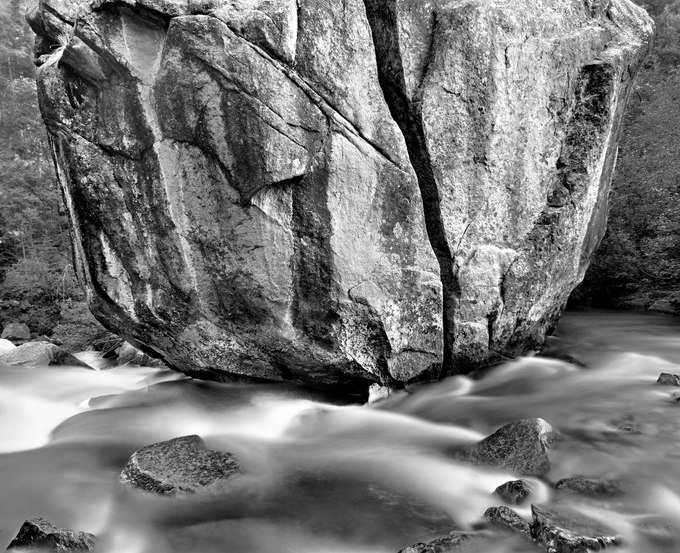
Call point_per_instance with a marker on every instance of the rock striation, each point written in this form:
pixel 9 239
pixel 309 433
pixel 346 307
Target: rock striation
pixel 334 193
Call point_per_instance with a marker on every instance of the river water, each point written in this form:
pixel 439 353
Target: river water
pixel 323 476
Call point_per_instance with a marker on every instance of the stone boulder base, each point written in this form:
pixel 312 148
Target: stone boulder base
pixel 178 466
pixel 39 535
pixel 40 354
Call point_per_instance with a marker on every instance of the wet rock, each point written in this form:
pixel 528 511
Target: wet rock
pixel 355 211
pixel 590 486
pixel 180 465
pixel 506 518
pixel 567 531
pixel 668 379
pixel 38 534
pixel 6 345
pixel 16 332
pixel 130 355
pixel 520 447
pixel 377 393
pixel 458 542
pixel 515 492
pixel 40 354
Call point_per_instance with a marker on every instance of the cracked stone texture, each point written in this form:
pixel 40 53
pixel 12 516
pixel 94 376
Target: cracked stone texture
pixel 38 534
pixel 334 193
pixel 178 466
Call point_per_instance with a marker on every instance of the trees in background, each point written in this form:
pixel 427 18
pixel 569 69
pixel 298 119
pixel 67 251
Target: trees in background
pixel 639 258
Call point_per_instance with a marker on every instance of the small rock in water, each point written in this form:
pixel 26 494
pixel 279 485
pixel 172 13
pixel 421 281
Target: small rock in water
pixel 455 541
pixel 668 379
pixel 514 492
pixel 180 465
pixel 130 355
pixel 377 393
pixel 570 532
pixel 519 446
pixel 38 534
pixel 590 486
pixel 40 354
pixel 6 345
pixel 16 332
pixel 506 518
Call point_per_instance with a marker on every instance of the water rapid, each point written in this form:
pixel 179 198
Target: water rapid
pixel 324 476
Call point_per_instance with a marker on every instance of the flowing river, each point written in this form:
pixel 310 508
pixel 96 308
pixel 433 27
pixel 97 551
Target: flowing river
pixel 324 476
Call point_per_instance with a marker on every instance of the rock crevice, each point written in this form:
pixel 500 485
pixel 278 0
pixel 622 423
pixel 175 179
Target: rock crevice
pixel 334 194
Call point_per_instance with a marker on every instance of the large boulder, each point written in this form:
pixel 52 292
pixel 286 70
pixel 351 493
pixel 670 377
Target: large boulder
pixel 6 346
pixel 334 193
pixel 38 534
pixel 178 466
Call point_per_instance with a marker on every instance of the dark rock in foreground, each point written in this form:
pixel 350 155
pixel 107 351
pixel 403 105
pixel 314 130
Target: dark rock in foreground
pixel 16 332
pixel 458 542
pixel 590 486
pixel 520 446
pixel 668 379
pixel 506 518
pixel 514 492
pixel 40 354
pixel 180 465
pixel 570 532
pixel 38 534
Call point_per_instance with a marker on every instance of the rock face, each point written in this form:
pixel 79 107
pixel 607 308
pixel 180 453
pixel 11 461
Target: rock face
pixel 16 332
pixel 180 465
pixel 515 492
pixel 38 534
pixel 335 193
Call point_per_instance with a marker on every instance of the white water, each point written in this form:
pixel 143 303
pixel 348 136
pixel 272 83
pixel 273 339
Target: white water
pixel 320 477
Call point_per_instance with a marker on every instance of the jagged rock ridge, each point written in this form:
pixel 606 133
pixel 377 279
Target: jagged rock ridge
pixel 334 192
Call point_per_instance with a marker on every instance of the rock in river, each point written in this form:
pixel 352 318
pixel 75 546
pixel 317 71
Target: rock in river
pixel 334 193
pixel 668 379
pixel 515 492
pixel 40 354
pixel 16 332
pixel 180 465
pixel 37 534
pixel 520 446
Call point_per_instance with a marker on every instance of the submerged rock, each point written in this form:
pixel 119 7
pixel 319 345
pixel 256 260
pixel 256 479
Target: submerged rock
pixel 16 332
pixel 515 492
pixel 520 447
pixel 37 534
pixel 40 354
pixel 570 532
pixel 590 486
pixel 668 379
pixel 180 465
pixel 246 199
pixel 377 393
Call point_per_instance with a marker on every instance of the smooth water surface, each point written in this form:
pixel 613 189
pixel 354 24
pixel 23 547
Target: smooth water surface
pixel 323 477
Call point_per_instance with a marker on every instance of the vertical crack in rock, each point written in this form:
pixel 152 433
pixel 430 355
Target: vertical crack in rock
pixel 406 112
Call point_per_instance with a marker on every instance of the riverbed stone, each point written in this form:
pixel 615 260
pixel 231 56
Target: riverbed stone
pixel 567 531
pixel 16 332
pixel 456 541
pixel 507 519
pixel 582 485
pixel 335 193
pixel 515 492
pixel 668 379
pixel 38 534
pixel 520 447
pixel 179 466
pixel 40 354
pixel 130 355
